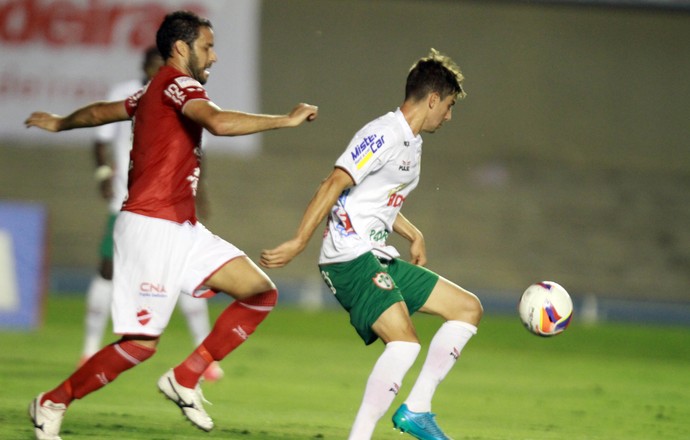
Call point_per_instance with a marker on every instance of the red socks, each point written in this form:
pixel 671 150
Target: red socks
pixel 101 369
pixel 237 322
pixel 234 325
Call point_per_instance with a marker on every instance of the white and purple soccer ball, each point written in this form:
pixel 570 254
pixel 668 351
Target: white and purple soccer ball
pixel 545 308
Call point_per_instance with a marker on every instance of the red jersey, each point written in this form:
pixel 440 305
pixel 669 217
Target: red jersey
pixel 165 160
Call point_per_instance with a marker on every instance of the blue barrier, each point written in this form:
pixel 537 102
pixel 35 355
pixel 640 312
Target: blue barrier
pixel 23 237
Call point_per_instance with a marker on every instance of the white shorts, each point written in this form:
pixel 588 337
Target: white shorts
pixel 154 261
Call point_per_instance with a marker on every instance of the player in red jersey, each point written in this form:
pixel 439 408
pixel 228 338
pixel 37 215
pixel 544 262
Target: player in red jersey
pixel 112 145
pixel 161 250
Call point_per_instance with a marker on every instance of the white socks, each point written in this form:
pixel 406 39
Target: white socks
pixel 444 350
pixel 383 385
pixel 195 311
pixel 98 299
pixel 386 377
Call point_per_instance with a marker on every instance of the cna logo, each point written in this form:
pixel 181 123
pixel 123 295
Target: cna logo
pixel 91 23
pixel 152 287
pixel 149 290
pixel 144 315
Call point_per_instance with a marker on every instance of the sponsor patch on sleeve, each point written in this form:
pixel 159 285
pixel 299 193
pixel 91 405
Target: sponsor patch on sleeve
pixel 186 82
pixel 366 149
pixel 132 102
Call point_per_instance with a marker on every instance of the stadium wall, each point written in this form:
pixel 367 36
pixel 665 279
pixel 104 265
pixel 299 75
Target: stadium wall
pixel 568 161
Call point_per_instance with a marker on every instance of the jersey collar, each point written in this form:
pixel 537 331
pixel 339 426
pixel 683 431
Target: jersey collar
pixel 407 130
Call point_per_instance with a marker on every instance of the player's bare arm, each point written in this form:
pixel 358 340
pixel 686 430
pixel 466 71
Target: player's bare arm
pixel 319 206
pixel 222 122
pixel 407 230
pixel 96 113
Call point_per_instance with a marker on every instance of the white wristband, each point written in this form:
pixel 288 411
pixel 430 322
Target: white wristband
pixel 104 172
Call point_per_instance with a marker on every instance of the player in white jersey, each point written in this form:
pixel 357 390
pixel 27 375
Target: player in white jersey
pixel 116 139
pixel 362 198
pixel 383 160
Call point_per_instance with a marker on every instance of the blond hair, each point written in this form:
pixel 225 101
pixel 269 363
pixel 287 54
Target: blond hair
pixel 434 73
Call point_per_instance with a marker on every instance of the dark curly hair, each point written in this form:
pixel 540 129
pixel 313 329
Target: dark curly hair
pixel 179 25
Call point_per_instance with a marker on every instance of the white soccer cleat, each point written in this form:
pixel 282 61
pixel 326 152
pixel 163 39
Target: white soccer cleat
pixel 46 418
pixel 190 400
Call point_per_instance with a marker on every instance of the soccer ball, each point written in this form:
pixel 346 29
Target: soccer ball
pixel 545 308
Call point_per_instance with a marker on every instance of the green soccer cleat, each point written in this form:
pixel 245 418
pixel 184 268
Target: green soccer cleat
pixel 419 425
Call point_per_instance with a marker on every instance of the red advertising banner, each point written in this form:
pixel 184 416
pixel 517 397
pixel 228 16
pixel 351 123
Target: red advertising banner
pixel 57 55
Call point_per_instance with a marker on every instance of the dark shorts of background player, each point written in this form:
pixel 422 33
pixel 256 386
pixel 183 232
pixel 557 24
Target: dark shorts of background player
pixel 366 287
pixel 106 249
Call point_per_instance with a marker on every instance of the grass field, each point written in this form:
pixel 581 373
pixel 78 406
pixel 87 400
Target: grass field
pixel 302 374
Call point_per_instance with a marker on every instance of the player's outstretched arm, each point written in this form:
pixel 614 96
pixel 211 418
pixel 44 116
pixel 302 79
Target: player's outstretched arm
pixel 410 232
pixel 320 205
pixel 233 123
pixel 97 113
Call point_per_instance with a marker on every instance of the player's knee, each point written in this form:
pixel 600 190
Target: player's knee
pixel 476 309
pixel 269 298
pixel 137 351
pixel 468 309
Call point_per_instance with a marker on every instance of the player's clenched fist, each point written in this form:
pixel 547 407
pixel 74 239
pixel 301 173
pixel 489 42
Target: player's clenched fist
pixel 46 121
pixel 304 112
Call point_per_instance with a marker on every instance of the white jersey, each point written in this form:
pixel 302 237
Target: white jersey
pixel 384 161
pixel 119 136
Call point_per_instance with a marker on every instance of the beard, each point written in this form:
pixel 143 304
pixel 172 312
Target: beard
pixel 197 71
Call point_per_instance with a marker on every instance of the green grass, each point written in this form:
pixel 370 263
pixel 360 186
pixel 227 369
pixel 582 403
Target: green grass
pixel 301 376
